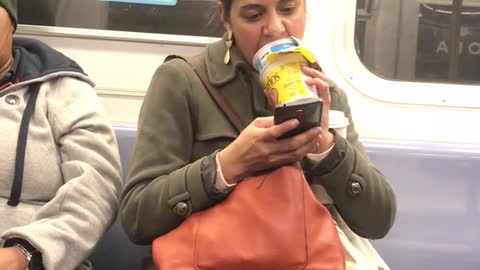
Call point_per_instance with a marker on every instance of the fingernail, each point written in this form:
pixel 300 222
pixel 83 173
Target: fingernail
pixel 294 122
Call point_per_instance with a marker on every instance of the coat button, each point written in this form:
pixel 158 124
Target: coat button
pixel 355 188
pixel 12 99
pixel 181 209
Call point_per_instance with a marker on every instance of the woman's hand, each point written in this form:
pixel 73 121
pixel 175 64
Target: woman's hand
pixel 319 81
pixel 12 259
pixel 257 148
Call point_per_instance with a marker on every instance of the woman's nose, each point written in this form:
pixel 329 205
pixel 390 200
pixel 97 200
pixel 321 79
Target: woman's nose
pixel 274 27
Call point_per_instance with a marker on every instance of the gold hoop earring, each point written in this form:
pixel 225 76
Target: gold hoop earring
pixel 229 44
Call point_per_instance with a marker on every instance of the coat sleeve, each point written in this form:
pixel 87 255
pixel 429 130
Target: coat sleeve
pixel 67 228
pixel 360 192
pixel 164 185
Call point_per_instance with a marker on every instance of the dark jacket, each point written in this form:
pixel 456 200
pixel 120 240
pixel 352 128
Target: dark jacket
pixel 180 128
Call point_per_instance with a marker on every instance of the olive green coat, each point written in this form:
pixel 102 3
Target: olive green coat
pixel 180 128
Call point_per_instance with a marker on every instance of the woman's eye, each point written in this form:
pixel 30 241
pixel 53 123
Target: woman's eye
pixel 287 10
pixel 253 17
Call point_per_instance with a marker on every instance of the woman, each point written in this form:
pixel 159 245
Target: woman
pixel 188 157
pixel 60 168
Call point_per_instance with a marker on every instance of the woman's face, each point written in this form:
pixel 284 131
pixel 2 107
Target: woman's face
pixel 255 23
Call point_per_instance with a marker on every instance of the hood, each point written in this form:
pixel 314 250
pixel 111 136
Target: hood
pixel 35 61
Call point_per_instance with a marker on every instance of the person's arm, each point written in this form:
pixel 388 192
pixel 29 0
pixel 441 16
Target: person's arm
pixel 164 186
pixel 361 193
pixel 66 229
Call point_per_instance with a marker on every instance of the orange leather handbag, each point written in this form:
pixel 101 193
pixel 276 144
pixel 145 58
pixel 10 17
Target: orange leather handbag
pixel 269 222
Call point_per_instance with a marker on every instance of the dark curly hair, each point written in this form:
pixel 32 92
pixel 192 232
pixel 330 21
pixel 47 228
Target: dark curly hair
pixel 227 4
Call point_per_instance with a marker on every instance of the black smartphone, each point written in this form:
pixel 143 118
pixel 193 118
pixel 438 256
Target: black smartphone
pixel 308 114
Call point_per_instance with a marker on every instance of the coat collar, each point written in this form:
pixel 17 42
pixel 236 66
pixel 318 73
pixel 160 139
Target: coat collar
pixel 238 81
pixel 220 74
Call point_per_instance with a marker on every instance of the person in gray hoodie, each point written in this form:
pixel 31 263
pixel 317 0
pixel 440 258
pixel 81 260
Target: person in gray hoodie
pixel 60 172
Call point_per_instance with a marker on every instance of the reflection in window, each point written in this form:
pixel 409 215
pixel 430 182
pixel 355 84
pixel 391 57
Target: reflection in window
pixel 426 40
pixel 186 17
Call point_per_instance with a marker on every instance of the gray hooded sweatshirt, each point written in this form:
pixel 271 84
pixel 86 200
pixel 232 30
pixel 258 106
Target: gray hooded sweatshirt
pixel 72 174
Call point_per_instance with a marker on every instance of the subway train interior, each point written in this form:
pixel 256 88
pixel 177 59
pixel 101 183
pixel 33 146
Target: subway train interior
pixel 410 69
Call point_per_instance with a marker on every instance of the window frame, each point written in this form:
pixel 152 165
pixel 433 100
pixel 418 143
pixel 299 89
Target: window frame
pixel 359 77
pixel 115 35
pixel 26 29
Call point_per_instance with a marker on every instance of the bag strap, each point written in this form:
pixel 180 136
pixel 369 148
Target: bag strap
pixel 14 199
pixel 200 69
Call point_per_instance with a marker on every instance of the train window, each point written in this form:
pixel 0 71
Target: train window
pixel 420 40
pixel 177 17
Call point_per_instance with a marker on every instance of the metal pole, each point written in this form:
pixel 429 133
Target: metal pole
pixel 454 46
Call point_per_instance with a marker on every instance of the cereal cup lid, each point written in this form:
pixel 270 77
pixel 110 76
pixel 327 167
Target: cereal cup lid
pixel 281 45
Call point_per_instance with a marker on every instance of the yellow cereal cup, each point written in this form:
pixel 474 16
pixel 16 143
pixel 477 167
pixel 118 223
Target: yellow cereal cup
pixel 278 46
pixel 285 81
